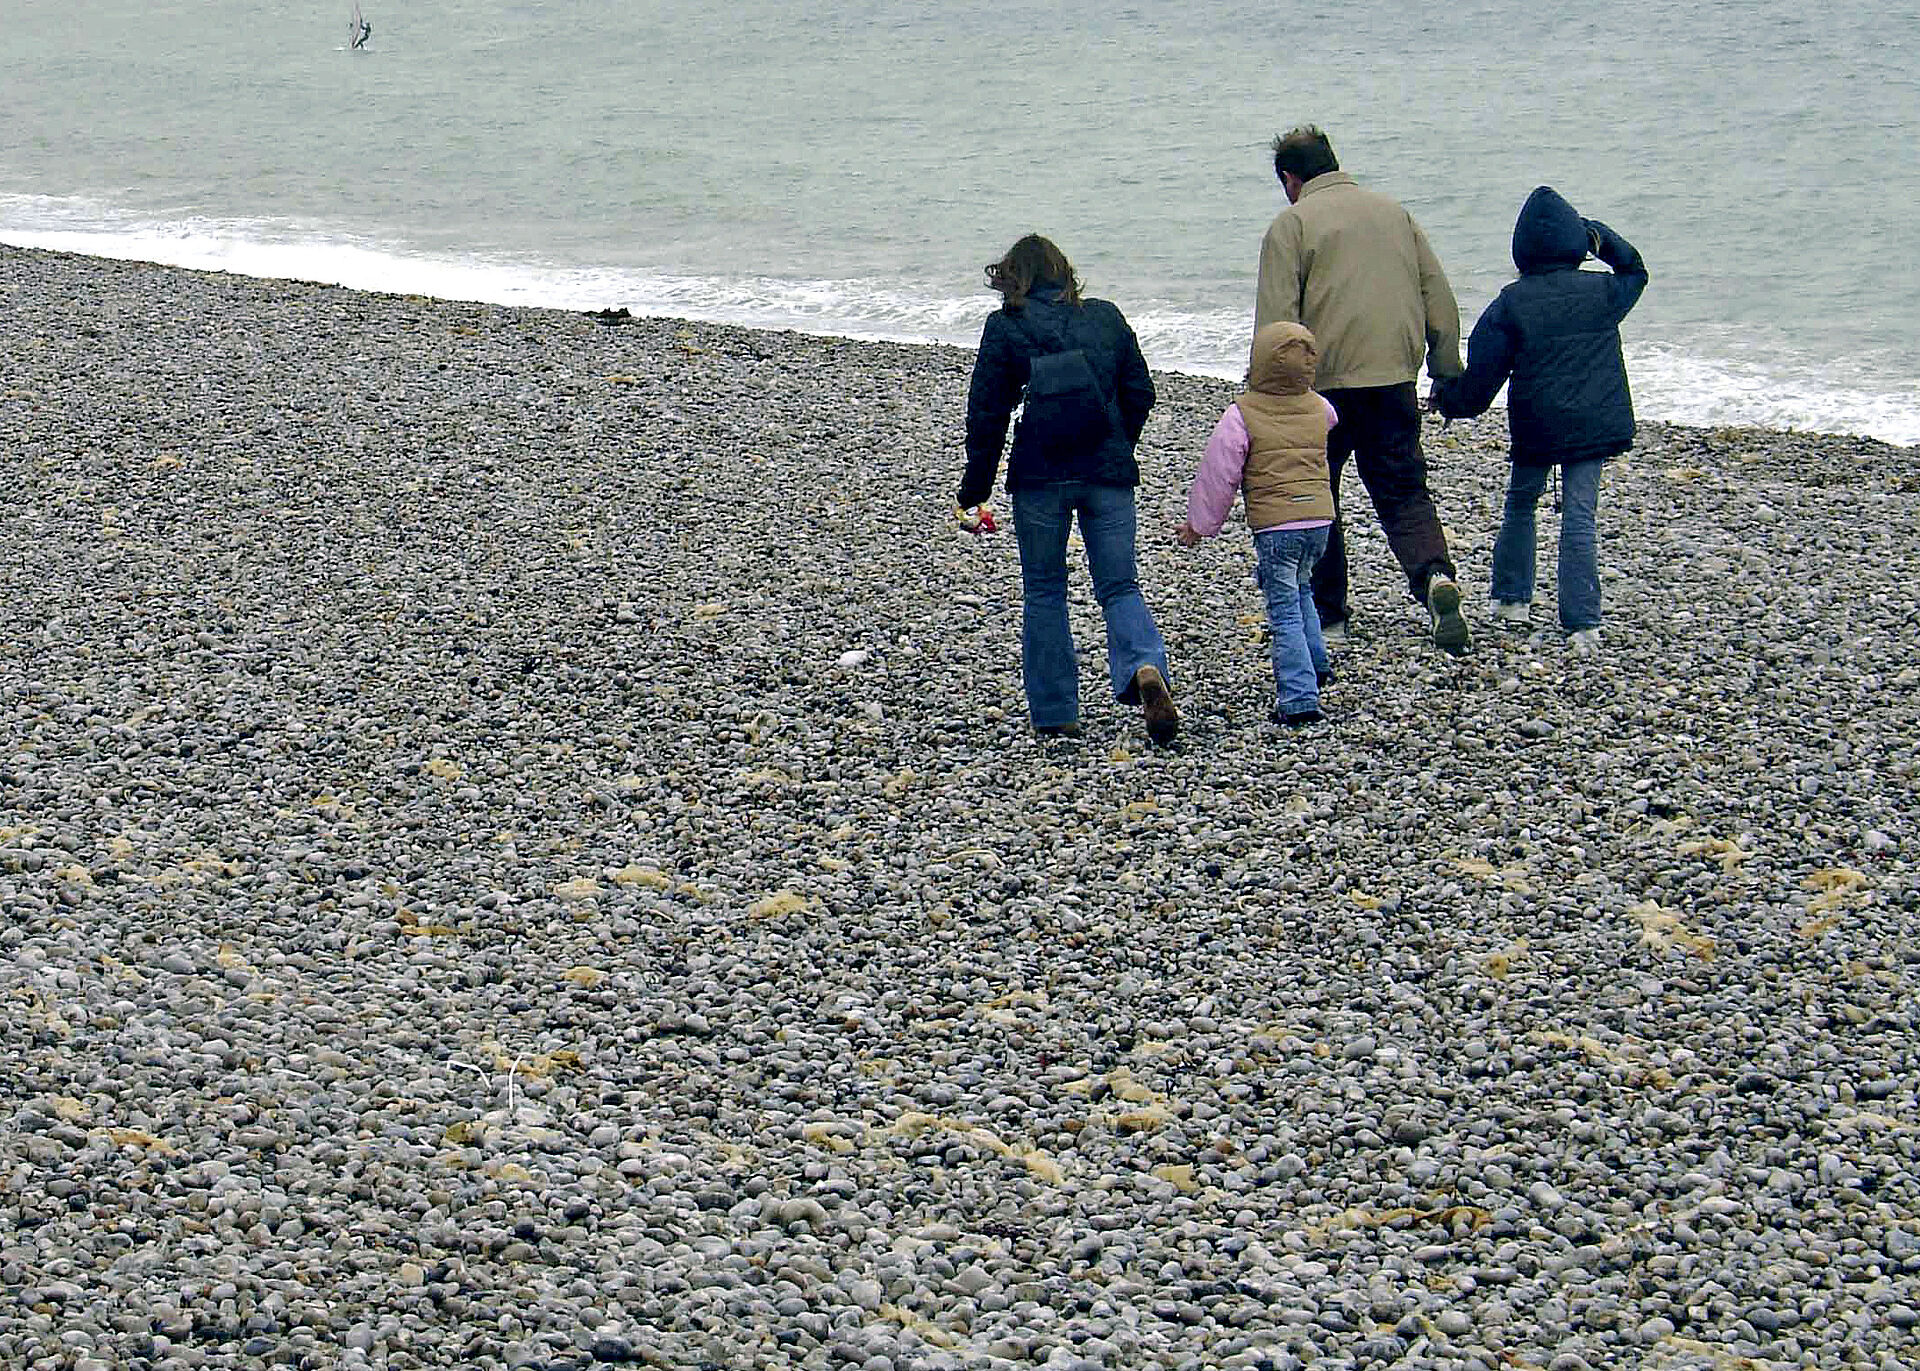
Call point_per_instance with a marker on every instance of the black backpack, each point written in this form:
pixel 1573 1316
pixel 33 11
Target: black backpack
pixel 1065 414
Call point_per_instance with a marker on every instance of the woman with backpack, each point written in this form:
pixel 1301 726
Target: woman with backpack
pixel 1074 367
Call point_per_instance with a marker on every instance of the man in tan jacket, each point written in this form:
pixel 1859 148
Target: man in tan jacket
pixel 1352 265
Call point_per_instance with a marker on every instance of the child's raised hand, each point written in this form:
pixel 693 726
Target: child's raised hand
pixel 1186 535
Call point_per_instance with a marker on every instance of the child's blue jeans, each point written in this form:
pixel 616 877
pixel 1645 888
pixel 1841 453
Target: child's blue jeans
pixel 1513 550
pixel 1285 572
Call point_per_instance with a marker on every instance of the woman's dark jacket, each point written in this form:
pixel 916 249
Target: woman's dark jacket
pixel 1555 333
pixel 1008 345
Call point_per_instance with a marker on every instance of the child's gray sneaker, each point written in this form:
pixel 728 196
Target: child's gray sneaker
pixel 1516 612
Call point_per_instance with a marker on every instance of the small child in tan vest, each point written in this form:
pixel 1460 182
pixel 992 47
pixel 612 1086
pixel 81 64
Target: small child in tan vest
pixel 1271 445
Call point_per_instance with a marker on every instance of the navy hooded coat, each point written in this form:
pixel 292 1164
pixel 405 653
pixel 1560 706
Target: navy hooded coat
pixel 1554 334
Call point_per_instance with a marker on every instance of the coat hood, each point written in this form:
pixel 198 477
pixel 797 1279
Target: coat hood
pixel 1284 358
pixel 1549 234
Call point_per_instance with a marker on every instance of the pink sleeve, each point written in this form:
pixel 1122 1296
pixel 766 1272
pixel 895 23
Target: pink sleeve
pixel 1333 415
pixel 1218 480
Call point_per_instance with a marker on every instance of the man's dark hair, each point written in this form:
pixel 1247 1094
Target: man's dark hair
pixel 1305 152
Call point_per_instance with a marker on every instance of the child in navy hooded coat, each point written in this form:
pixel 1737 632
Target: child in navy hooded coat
pixel 1554 337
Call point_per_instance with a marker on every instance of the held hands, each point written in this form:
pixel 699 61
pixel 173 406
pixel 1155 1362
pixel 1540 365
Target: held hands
pixel 1186 535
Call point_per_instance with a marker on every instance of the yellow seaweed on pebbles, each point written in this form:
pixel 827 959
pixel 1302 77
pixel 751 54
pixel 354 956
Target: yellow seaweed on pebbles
pixel 1728 854
pixel 780 904
pixel 637 873
pixel 1661 929
pixel 1500 964
pixel 830 1136
pixel 1461 1220
pixel 1039 1164
pixel 1835 880
pixel 1179 1176
pixel 1837 887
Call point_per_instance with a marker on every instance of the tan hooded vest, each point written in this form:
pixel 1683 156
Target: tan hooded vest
pixel 1286 475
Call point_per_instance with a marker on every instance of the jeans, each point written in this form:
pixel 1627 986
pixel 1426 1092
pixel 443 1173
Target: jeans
pixel 1285 573
pixel 1380 429
pixel 1513 550
pixel 1042 517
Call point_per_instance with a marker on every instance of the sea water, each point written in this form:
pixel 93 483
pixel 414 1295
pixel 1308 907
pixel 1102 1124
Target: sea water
pixel 850 167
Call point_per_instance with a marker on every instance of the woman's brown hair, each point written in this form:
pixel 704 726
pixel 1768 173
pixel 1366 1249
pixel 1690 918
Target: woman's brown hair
pixel 1032 261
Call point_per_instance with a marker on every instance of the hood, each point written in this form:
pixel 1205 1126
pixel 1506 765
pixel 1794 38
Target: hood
pixel 1549 233
pixel 1284 357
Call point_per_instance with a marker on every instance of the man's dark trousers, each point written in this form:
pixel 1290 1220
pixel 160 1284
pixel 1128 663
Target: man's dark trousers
pixel 1380 429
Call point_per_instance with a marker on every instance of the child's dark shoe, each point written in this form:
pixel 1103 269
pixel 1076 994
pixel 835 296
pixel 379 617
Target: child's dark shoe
pixel 1298 719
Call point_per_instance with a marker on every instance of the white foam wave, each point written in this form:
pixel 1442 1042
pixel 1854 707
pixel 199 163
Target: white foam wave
pixel 1688 387
pixel 1691 386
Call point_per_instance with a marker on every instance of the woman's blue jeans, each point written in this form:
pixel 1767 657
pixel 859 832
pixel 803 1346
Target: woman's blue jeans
pixel 1042 517
pixel 1513 550
pixel 1285 573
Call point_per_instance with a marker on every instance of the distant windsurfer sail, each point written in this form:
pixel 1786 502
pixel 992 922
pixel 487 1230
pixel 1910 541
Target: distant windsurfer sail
pixel 358 29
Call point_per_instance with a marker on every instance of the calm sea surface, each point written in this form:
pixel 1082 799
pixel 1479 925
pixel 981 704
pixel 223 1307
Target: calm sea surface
pixel 848 168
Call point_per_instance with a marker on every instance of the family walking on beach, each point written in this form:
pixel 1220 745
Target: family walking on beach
pixel 1351 299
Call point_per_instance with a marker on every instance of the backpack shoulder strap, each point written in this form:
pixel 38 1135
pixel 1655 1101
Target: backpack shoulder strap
pixel 1023 317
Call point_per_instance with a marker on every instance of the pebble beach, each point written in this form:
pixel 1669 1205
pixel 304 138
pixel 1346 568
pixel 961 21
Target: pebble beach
pixel 520 846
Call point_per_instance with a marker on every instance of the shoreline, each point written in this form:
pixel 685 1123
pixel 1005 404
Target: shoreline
pixel 857 338
pixel 520 847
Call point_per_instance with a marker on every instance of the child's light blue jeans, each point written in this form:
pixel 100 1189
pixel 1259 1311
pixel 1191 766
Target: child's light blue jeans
pixel 1579 567
pixel 1285 572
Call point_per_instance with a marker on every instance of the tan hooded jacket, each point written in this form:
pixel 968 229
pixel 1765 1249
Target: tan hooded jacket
pixel 1352 265
pixel 1286 475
